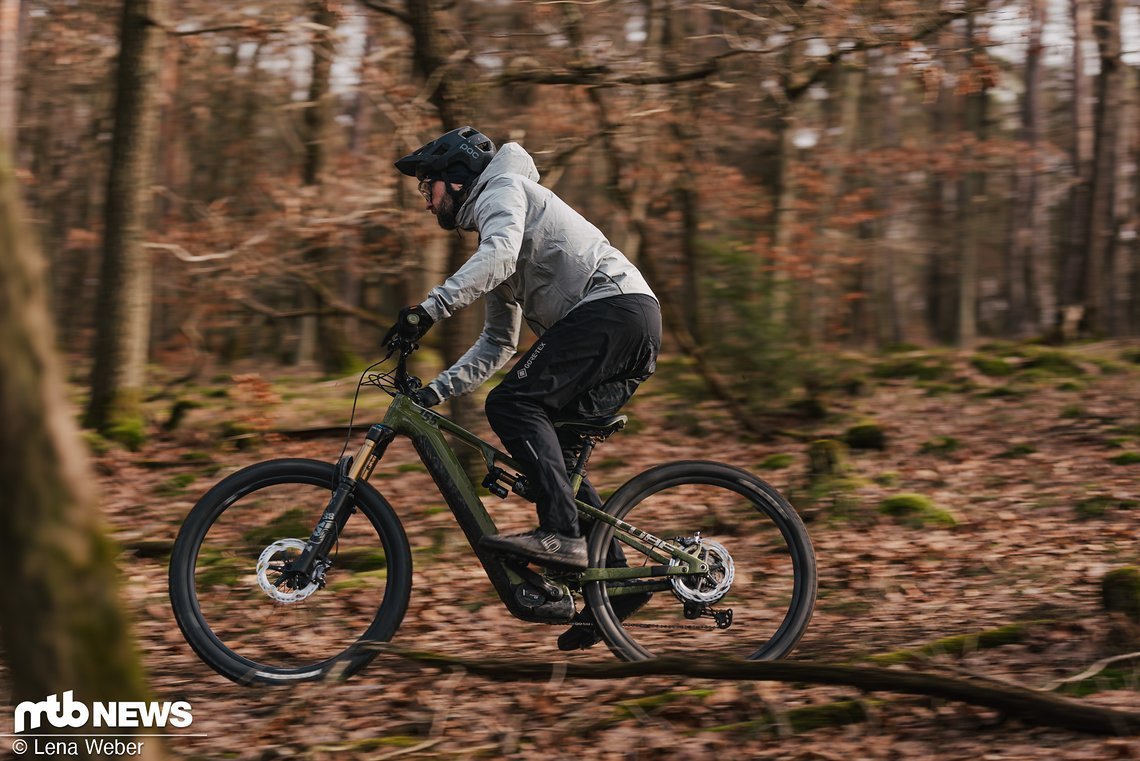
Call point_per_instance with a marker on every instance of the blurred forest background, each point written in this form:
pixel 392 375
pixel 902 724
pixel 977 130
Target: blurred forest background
pixel 788 175
pixel 907 230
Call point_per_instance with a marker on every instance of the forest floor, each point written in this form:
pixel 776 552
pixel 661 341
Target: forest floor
pixel 1032 452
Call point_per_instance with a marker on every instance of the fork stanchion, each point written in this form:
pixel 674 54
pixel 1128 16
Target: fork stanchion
pixel 373 448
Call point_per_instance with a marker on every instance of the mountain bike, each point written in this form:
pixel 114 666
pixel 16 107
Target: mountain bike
pixel 293 569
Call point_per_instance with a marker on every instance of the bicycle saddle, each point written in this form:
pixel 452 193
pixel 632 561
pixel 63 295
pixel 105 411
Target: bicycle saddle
pixel 600 428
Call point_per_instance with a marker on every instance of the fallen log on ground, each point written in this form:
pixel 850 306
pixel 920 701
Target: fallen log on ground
pixel 1028 706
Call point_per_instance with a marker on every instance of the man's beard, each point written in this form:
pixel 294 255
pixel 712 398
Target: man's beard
pixel 445 214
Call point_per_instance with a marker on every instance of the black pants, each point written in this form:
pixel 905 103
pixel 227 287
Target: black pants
pixel 586 366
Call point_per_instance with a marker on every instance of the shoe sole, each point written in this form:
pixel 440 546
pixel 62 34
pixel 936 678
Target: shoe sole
pixel 582 641
pixel 551 564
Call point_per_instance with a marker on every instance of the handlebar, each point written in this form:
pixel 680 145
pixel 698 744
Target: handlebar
pixel 403 381
pixel 401 340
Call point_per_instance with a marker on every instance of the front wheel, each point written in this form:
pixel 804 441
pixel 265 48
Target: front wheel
pixel 757 598
pixel 227 574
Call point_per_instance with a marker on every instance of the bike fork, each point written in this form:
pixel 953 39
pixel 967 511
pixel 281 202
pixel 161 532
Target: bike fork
pixel 349 472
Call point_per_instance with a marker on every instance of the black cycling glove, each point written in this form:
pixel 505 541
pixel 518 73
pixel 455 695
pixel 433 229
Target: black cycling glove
pixel 426 397
pixel 410 329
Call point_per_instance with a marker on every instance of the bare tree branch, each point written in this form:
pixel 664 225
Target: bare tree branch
pixel 606 76
pixel 186 256
pixel 332 305
pixel 1091 671
pixel 386 10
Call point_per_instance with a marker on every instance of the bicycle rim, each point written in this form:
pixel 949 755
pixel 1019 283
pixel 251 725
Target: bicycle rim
pixel 226 580
pixel 747 531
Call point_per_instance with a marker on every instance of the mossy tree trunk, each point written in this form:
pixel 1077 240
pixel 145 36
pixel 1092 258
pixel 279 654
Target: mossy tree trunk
pixel 62 626
pixel 123 305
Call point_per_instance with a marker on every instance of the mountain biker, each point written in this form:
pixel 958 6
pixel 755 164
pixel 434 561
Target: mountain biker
pixel 597 321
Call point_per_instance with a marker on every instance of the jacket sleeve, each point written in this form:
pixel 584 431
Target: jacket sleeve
pixel 495 346
pixel 500 217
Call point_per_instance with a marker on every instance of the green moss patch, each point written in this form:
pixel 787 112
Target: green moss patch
pixel 995 367
pixel 916 510
pixel 1052 362
pixel 1125 458
pixel 1100 505
pixel 1018 450
pixel 939 445
pixel 1120 591
pixel 175 485
pixel 913 367
pixel 958 645
pixel 868 435
pixel 777 462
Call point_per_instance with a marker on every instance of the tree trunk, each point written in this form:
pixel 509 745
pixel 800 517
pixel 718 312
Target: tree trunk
pixel 885 281
pixel 430 59
pixel 322 337
pixel 1099 305
pixel 122 316
pixel 458 332
pixel 666 32
pixel 940 278
pixel 844 108
pixel 1031 304
pixel 63 625
pixel 319 106
pixel 779 181
pixel 1074 265
pixel 1122 264
pixel 970 196
pixel 1133 216
pixel 9 47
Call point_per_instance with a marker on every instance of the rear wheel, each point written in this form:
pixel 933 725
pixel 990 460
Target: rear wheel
pixel 229 586
pixel 757 599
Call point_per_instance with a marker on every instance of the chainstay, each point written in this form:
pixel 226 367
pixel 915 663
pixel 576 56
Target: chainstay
pixel 625 625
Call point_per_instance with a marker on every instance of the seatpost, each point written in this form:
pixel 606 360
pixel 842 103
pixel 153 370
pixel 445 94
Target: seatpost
pixel 579 470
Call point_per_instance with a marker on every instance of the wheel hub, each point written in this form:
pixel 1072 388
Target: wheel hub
pixel 706 588
pixel 274 576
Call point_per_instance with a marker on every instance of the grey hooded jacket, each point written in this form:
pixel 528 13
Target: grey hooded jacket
pixel 537 259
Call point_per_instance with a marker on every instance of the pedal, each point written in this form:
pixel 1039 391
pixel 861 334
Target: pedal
pixel 723 618
pixel 532 605
pixel 551 591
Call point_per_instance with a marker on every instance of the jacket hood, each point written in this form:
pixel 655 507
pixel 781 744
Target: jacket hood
pixel 511 158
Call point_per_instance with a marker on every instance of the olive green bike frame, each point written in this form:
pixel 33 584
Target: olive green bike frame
pixel 426 430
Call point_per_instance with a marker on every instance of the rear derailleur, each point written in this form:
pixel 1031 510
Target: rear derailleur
pixel 695 610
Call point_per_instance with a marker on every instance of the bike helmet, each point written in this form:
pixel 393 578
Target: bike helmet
pixel 458 156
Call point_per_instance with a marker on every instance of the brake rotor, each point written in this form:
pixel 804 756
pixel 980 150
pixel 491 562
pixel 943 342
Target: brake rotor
pixel 272 576
pixel 706 588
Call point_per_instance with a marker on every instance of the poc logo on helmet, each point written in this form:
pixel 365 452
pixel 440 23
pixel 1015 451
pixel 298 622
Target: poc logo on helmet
pixel 470 151
pixel 72 713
